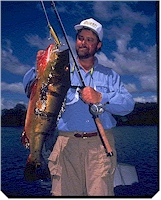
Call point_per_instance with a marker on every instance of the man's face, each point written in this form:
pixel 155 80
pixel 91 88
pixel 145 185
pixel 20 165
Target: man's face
pixel 87 44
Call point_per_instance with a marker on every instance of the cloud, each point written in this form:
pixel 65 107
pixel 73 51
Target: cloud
pixel 13 87
pixel 103 59
pixel 126 60
pixel 43 43
pixel 144 99
pixel 10 62
pixel 141 64
pixel 8 104
pixel 122 43
pixel 119 17
pixel 37 41
pixel 132 17
pixel 148 82
pixel 131 87
pixel 78 9
pixel 135 61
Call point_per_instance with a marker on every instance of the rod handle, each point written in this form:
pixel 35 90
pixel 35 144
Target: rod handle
pixel 103 135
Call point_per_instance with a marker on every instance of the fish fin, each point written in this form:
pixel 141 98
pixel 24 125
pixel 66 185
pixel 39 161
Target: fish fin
pixel 33 173
pixel 25 140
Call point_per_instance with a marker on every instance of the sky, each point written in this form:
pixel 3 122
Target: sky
pixel 129 43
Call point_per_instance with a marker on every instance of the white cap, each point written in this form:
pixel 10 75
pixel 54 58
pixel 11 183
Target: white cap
pixel 93 25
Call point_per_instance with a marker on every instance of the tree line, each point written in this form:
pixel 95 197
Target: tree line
pixel 14 116
pixel 143 114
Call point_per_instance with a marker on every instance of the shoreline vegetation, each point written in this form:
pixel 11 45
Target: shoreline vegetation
pixel 142 115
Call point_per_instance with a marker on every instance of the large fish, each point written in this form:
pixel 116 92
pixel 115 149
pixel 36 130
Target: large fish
pixel 47 96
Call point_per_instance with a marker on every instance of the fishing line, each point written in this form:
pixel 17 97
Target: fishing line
pixel 47 19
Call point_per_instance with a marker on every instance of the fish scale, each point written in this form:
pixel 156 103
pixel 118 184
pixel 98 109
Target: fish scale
pixel 47 96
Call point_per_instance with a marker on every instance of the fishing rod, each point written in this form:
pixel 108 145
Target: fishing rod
pixel 94 108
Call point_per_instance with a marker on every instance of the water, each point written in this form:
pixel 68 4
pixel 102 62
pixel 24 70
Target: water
pixel 137 146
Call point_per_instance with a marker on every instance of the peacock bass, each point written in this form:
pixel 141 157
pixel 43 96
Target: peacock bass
pixel 48 92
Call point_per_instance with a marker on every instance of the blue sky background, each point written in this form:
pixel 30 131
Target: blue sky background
pixel 129 43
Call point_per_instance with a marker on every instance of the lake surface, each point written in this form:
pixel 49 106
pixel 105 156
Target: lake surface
pixel 136 146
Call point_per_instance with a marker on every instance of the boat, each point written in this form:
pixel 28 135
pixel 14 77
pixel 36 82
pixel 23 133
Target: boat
pixel 125 174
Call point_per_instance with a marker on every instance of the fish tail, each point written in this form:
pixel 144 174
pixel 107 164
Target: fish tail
pixel 36 167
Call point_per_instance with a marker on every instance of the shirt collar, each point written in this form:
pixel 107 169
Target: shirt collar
pixel 92 69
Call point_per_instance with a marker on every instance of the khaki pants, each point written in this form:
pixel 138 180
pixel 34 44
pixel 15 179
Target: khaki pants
pixel 80 167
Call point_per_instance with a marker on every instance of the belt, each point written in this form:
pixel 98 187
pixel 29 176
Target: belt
pixel 85 135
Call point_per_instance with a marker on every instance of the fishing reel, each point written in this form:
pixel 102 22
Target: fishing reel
pixel 96 109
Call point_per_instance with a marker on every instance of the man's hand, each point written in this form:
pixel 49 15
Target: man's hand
pixel 89 95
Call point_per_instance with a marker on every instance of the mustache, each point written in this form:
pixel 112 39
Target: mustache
pixel 83 46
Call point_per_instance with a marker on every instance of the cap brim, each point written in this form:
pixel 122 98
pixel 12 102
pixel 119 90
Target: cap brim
pixel 78 27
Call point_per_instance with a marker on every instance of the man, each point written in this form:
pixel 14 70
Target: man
pixel 79 164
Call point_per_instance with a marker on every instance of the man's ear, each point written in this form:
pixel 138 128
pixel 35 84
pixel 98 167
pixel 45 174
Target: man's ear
pixel 99 45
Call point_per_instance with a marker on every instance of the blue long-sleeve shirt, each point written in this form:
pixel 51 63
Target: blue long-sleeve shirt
pixel 104 80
